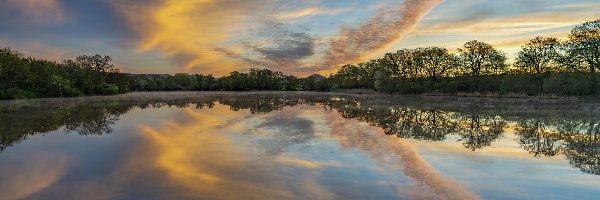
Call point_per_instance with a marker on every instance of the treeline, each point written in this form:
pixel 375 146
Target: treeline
pixel 255 79
pixel 544 66
pixel 25 77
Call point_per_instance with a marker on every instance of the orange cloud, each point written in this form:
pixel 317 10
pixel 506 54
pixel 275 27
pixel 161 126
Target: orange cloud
pixel 202 157
pixel 201 35
pixel 384 29
pixel 506 32
pixel 190 30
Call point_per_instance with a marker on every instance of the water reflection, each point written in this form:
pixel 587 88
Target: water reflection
pixel 275 144
pixel 575 134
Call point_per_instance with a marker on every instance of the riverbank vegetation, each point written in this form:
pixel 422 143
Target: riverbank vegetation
pixel 544 66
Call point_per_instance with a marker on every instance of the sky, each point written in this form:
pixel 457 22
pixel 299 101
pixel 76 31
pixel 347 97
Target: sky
pixel 299 37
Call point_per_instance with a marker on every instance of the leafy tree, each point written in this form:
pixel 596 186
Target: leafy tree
pixel 403 63
pixel 480 58
pixel 583 47
pixel 351 76
pixel 539 57
pixel 436 62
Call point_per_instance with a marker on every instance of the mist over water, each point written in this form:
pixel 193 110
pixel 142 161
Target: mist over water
pixel 283 145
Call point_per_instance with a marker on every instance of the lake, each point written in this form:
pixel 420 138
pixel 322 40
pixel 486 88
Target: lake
pixel 271 145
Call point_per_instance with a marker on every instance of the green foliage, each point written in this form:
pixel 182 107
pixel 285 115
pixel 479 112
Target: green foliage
pixel 22 77
pixel 254 80
pixel 583 47
pixel 479 58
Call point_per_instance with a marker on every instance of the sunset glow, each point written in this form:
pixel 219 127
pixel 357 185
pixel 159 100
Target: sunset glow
pixel 294 36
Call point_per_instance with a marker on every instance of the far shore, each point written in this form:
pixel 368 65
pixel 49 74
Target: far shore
pixel 354 93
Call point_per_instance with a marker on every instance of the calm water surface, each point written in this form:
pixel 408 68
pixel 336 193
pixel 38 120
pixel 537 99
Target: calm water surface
pixel 298 146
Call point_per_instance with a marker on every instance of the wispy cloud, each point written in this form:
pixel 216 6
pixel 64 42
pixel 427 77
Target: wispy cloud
pixel 178 29
pixel 310 11
pixel 275 46
pixel 38 12
pixel 384 29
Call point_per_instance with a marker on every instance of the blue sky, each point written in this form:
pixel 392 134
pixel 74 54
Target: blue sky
pixel 295 36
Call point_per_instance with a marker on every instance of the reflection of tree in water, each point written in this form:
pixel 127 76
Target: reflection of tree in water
pixel 584 153
pixel 475 131
pixel 21 119
pixel 535 138
pixel 541 134
pixel 583 150
pixel 480 131
pixel 17 122
pixel 578 140
pixel 258 105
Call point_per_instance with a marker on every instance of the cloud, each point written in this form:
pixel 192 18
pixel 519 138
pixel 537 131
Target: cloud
pixel 238 56
pixel 189 31
pixel 205 35
pixel 506 29
pixel 310 11
pixel 286 50
pixel 275 46
pixel 384 29
pixel 506 25
pixel 39 12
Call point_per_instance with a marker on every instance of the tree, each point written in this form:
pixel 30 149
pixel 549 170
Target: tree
pixel 583 46
pixel 402 63
pixel 436 62
pixel 479 58
pixel 539 57
pixel 583 49
pixel 350 76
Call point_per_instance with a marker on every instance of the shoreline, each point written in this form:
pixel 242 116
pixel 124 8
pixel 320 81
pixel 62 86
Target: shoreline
pixel 331 93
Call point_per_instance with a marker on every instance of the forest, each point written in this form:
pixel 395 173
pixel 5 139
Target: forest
pixel 545 66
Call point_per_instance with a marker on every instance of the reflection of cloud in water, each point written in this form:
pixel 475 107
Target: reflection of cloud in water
pixel 206 156
pixel 22 178
pixel 281 130
pixel 205 161
pixel 201 157
pixel 290 160
pixel 430 183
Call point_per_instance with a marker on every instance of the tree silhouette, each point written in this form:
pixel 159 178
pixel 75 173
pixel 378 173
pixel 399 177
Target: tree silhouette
pixel 538 57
